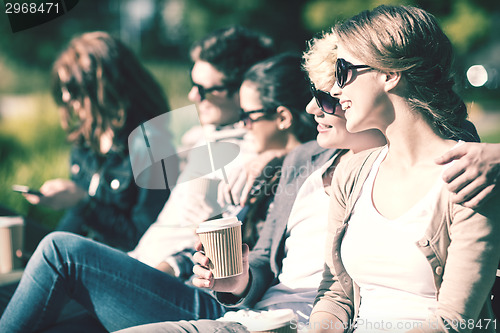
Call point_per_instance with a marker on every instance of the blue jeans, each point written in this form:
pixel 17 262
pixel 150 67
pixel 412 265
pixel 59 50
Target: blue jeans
pixel 118 290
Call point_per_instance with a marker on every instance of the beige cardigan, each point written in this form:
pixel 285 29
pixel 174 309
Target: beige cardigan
pixel 461 245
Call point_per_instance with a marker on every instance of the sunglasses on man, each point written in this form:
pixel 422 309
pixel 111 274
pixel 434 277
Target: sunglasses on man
pixel 203 92
pixel 326 102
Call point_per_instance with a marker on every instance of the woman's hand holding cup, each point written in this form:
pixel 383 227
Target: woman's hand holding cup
pixel 236 285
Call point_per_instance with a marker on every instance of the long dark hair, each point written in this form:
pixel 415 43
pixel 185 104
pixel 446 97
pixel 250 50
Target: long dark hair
pixel 280 81
pixel 109 89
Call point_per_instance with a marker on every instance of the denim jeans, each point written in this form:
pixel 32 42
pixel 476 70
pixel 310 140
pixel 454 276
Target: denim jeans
pixel 118 290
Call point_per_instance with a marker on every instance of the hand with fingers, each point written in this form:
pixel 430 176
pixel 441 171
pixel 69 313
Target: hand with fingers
pixel 58 194
pixel 475 173
pixel 236 285
pixel 263 167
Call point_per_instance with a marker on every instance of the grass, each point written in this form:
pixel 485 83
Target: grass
pixel 176 82
pixel 33 149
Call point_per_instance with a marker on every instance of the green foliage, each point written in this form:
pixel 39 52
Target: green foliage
pixel 491 137
pixel 20 79
pixel 33 149
pixel 175 79
pixel 464 21
pixel 466 14
pixel 321 15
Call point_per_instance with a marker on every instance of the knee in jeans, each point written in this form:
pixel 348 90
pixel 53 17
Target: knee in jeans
pixel 60 241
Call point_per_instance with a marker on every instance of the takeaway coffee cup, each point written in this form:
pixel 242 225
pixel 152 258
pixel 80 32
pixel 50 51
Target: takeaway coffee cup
pixel 221 239
pixel 11 243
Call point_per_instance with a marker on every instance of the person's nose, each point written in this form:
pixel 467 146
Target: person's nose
pixel 313 108
pixel 194 95
pixel 66 96
pixel 336 90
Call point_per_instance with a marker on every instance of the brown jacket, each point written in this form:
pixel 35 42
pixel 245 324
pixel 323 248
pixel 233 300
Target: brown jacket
pixel 461 245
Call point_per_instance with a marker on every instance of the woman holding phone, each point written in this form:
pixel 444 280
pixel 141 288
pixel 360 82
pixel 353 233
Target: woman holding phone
pixel 103 93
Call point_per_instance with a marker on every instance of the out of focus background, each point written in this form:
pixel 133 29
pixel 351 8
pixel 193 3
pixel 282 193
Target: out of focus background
pixel 33 147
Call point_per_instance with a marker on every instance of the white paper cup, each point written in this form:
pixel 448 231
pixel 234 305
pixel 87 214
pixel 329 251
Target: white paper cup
pixel 221 239
pixel 11 242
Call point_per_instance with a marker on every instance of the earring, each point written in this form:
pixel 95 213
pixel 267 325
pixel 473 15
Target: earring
pixel 282 127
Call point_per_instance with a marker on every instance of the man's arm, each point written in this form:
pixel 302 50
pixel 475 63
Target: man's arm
pixel 475 173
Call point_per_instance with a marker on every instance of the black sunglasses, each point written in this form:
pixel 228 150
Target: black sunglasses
pixel 326 102
pixel 343 71
pixel 245 115
pixel 204 91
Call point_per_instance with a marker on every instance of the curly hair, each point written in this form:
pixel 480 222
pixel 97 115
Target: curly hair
pixel 109 89
pixel 319 60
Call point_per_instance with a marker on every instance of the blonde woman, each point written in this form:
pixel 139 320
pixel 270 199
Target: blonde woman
pixel 401 256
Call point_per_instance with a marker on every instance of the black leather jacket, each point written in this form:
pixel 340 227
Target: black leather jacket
pixel 117 211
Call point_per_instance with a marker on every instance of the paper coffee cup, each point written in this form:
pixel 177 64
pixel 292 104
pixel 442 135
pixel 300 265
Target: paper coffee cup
pixel 271 321
pixel 11 242
pixel 221 239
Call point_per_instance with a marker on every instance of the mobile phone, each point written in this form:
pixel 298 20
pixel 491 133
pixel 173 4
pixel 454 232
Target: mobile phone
pixel 26 189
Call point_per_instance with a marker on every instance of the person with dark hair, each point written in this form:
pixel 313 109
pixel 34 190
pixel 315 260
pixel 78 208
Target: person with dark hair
pixel 104 93
pixel 220 60
pixel 230 51
pixel 430 267
pixel 283 94
pixel 285 267
pixel 273 97
pixel 400 253
pixel 109 283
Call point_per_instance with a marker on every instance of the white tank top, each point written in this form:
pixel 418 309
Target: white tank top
pixel 396 282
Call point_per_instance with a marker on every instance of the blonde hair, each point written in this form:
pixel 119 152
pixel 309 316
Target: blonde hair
pixel 319 60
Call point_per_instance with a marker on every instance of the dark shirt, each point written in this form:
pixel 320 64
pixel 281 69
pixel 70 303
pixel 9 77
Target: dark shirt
pixel 119 211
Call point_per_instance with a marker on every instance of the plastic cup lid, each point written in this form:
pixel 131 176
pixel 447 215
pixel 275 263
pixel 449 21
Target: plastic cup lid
pixel 218 224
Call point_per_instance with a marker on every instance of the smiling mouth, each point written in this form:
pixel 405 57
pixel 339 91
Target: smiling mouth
pixel 345 105
pixel 323 126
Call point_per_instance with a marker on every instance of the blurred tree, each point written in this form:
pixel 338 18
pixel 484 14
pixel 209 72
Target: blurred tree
pixel 466 22
pixel 279 19
pixel 466 14
pixel 164 29
pixel 38 46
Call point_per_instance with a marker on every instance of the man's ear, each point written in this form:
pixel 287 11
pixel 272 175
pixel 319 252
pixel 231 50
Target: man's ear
pixel 392 80
pixel 285 117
